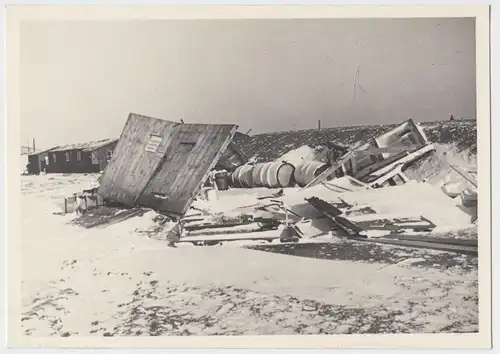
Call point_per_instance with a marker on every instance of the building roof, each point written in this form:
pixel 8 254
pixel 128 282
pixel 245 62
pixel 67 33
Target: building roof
pixel 100 144
pixel 38 152
pixel 92 145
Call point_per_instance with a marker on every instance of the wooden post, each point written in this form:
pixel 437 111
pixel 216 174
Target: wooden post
pixel 65 205
pixel 319 124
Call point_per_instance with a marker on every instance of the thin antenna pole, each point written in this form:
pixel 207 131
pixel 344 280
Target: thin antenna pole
pixel 355 84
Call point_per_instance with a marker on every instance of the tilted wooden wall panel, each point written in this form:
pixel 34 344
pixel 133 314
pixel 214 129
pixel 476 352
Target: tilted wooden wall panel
pixel 132 166
pixel 193 151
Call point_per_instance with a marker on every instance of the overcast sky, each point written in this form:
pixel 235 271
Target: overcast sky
pixel 79 80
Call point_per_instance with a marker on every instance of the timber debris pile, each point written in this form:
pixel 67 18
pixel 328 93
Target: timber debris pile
pixel 206 189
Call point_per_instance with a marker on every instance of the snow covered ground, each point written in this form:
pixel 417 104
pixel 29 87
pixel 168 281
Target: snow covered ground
pixel 120 281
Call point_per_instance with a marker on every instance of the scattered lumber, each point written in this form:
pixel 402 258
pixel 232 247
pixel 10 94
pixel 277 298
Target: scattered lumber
pixel 353 230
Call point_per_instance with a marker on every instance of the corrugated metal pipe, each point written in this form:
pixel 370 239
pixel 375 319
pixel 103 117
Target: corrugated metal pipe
pixel 275 174
pixel 307 171
pixel 242 177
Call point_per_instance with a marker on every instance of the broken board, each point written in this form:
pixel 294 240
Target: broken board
pixel 114 219
pixel 252 236
pixel 465 174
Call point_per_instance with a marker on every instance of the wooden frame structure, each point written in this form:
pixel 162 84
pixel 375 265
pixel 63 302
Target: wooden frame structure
pixel 401 145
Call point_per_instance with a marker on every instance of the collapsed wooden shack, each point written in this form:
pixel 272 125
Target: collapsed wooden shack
pixel 163 164
pixel 382 160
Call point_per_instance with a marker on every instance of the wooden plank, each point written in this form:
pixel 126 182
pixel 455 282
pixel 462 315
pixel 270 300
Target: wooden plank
pixel 418 132
pixel 384 150
pixel 389 163
pixel 420 244
pixel 333 214
pixel 465 174
pixel 404 177
pixel 256 227
pixel 393 224
pixel 431 239
pixel 377 166
pixel 260 236
pixel 329 171
pixel 396 171
pixel 116 218
pixel 323 206
pixel 206 226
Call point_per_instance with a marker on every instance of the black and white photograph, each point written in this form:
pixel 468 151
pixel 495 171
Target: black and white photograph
pixel 234 176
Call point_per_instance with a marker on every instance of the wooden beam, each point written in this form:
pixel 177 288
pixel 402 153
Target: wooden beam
pixel 384 150
pixel 229 230
pixel 404 177
pixel 396 171
pixel 389 163
pixel 330 170
pixel 465 174
pixel 431 239
pixel 272 235
pixel 420 244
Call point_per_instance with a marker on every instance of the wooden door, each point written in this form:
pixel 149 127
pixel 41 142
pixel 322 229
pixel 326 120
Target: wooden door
pixel 138 154
pixel 192 153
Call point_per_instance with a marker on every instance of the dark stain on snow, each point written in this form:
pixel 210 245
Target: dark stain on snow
pixel 372 253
